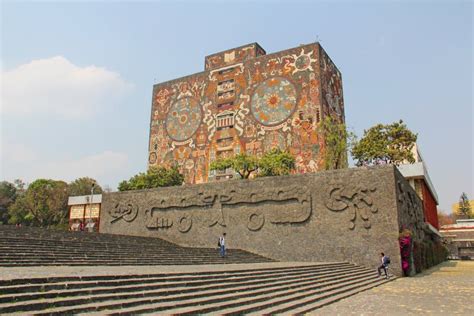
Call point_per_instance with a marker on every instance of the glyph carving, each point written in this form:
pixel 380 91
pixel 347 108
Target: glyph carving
pixel 297 201
pixel 412 206
pixel 185 223
pixel 127 212
pixel 356 200
pixel 256 221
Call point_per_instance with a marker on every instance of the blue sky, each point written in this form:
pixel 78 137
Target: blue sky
pixel 77 77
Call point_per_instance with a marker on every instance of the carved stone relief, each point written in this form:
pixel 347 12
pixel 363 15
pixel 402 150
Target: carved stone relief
pixel 127 212
pixel 256 221
pixel 356 200
pixel 295 199
pixel 412 207
pixel 185 223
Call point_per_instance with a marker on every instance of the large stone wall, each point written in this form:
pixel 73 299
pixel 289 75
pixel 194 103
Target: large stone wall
pixel 340 215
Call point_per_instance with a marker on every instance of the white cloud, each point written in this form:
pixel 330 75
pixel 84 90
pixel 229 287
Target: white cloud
pixel 55 86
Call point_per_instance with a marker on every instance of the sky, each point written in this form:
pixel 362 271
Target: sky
pixel 77 77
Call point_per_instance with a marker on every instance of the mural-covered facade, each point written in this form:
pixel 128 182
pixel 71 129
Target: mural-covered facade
pixel 245 101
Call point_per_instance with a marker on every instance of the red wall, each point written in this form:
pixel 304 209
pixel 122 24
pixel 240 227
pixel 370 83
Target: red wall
pixel 429 206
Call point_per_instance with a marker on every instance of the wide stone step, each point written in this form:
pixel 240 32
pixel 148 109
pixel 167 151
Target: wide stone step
pixel 85 245
pixel 206 293
pixel 41 233
pixel 239 305
pixel 29 246
pixel 130 261
pixel 100 284
pixel 121 263
pixel 215 302
pixel 52 254
pixel 79 244
pixel 310 304
pixel 59 279
pixel 77 249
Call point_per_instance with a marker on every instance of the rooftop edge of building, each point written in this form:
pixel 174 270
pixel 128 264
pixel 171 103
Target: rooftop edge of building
pixel 243 46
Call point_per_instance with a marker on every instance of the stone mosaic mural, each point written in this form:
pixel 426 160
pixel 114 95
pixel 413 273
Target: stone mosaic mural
pixel 273 101
pixel 183 119
pixel 245 101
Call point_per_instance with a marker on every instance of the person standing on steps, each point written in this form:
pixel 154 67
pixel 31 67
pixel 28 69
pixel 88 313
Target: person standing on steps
pixel 385 261
pixel 222 245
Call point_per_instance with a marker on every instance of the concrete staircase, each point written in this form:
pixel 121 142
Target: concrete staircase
pixel 29 246
pixel 283 289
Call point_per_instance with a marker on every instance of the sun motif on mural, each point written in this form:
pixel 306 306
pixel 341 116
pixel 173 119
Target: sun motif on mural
pixel 302 61
pixel 183 119
pixel 273 101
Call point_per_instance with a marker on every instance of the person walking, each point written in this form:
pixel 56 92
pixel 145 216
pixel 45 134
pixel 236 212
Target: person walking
pixel 385 261
pixel 222 245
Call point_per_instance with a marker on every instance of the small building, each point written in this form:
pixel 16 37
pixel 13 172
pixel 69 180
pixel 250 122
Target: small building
pixel 84 212
pixel 460 238
pixel 417 175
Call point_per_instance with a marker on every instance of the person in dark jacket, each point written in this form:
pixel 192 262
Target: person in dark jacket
pixel 384 260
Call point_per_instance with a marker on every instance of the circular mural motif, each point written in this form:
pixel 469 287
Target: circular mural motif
pixel 273 101
pixel 152 158
pixel 184 118
pixel 302 62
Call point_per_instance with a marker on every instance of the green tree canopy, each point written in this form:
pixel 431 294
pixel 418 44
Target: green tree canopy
pixel 337 143
pixel 242 163
pixel 385 144
pixel 155 177
pixel 8 194
pixel 276 163
pixel 82 186
pixel 43 204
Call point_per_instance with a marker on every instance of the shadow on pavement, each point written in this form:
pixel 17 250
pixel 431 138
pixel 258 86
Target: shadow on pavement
pixel 445 264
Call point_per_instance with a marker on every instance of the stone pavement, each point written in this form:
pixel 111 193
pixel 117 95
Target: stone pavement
pixel 447 289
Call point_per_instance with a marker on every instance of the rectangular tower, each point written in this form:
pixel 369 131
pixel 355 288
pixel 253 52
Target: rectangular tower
pixel 245 101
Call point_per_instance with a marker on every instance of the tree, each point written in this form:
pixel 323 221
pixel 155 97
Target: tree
pixel 242 163
pixel 43 204
pixel 18 212
pixel 82 186
pixel 155 177
pixel 464 207
pixel 385 144
pixel 19 185
pixel 8 194
pixel 337 143
pixel 445 219
pixel 276 163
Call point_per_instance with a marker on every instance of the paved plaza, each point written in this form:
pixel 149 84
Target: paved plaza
pixel 447 289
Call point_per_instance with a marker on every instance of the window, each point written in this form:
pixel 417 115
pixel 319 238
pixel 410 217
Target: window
pixel 226 85
pixel 225 105
pixel 225 121
pixel 226 71
pixel 225 95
